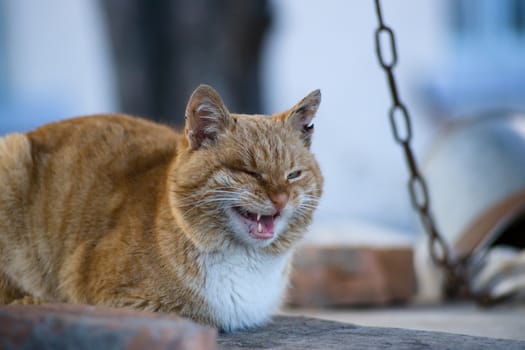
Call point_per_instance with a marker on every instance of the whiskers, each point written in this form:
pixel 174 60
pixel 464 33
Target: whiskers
pixel 214 200
pixel 306 206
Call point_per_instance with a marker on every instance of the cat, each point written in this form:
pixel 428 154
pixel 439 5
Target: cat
pixel 120 211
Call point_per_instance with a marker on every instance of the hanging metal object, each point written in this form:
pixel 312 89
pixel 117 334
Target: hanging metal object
pixel 456 279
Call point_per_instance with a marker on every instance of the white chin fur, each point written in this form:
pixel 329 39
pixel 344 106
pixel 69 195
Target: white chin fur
pixel 243 288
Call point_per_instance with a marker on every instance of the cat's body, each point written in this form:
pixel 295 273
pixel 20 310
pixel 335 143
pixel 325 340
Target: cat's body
pixel 120 211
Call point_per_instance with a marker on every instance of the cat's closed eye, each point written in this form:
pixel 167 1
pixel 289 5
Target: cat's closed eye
pixel 253 174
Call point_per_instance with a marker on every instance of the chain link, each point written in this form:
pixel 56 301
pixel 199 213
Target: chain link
pixel 419 196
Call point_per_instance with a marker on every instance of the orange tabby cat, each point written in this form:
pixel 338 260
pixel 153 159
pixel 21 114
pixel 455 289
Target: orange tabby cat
pixel 120 211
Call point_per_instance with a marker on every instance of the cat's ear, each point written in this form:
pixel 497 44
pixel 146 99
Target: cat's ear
pixel 206 116
pixel 302 114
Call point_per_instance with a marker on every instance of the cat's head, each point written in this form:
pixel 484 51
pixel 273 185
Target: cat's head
pixel 245 179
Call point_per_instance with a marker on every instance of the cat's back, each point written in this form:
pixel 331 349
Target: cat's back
pixel 111 134
pixel 85 164
pixel 115 146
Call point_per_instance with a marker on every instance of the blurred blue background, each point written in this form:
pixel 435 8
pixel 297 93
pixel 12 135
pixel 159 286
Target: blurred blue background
pixel 63 58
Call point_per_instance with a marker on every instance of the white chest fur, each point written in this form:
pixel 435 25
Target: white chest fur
pixel 243 289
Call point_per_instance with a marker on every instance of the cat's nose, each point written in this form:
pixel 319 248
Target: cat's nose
pixel 279 200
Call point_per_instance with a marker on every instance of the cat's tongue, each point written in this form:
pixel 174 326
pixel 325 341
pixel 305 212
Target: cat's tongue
pixel 264 227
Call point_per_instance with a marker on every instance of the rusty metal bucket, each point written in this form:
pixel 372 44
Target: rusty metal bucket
pixel 476 176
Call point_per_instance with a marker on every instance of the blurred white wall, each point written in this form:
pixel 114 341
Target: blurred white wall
pixel 58 60
pixel 329 45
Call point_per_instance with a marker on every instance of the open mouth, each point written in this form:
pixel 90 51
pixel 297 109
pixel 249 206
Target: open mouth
pixel 259 226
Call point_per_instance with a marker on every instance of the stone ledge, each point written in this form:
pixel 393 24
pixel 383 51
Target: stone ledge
pixel 88 327
pixel 61 326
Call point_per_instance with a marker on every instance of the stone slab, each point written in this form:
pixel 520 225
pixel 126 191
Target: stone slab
pixel 290 333
pixel 504 321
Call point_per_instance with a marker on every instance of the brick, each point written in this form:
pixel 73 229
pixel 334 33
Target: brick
pixel 61 326
pixel 347 275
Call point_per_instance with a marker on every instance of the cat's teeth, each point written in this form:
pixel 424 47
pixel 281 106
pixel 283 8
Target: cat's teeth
pixel 258 217
pixel 259 227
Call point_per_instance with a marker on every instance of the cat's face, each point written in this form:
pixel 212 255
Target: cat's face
pixel 246 179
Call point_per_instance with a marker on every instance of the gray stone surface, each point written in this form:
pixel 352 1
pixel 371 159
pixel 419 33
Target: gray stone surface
pixel 505 321
pixel 307 333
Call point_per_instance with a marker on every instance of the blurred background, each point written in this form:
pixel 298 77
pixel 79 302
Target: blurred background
pixel 460 60
pixel 62 58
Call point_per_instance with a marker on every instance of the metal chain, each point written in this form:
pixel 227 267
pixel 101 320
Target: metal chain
pixel 402 129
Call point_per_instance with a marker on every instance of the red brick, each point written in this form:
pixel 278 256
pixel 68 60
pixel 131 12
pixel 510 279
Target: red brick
pixel 332 276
